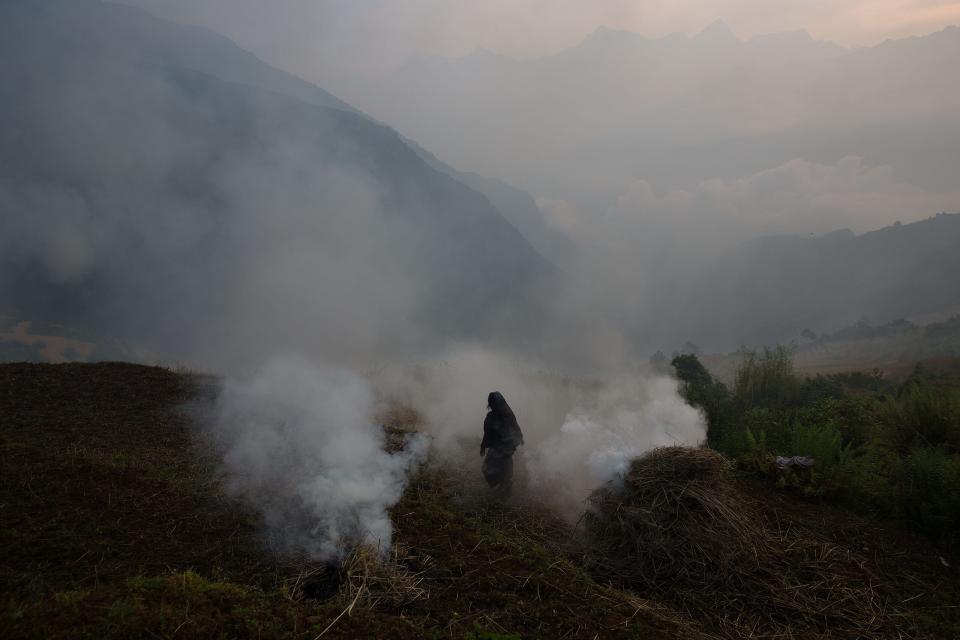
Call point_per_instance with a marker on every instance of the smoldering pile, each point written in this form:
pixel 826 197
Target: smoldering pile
pixel 678 528
pixel 365 577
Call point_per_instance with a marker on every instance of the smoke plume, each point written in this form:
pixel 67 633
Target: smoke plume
pixel 579 432
pixel 301 447
pixel 626 417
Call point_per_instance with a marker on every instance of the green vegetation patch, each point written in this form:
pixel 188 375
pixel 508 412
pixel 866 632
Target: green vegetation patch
pixel 892 451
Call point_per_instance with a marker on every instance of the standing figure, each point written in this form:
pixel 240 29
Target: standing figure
pixel 502 436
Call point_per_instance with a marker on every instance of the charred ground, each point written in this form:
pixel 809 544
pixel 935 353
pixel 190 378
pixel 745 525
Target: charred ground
pixel 113 523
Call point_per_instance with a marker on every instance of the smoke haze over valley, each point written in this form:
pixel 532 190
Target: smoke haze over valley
pixel 617 184
pixel 331 232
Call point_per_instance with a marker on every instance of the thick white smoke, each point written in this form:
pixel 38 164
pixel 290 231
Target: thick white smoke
pixel 608 428
pixel 578 433
pixel 300 446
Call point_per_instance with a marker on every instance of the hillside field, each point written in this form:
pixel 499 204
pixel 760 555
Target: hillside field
pixel 113 524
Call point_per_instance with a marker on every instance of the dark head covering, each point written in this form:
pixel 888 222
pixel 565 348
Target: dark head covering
pixel 498 403
pixel 504 422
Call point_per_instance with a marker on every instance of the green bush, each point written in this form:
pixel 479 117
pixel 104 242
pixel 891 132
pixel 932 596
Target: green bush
pixel 822 442
pixel 927 488
pixel 867 481
pixel 756 430
pixel 832 459
pixel 923 415
pixel 852 416
pixel 821 388
pixel 895 456
pixel 768 379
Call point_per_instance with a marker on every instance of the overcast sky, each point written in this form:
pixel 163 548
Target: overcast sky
pixel 306 34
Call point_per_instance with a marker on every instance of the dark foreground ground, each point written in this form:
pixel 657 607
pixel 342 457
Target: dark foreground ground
pixel 113 525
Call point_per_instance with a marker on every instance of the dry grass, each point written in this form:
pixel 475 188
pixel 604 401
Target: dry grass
pixel 679 528
pixel 399 416
pixel 114 526
pixel 372 580
pixel 367 580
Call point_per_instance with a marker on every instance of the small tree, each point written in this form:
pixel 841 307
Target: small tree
pixel 702 390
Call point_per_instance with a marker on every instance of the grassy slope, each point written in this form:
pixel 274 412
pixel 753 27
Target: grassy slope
pixel 113 525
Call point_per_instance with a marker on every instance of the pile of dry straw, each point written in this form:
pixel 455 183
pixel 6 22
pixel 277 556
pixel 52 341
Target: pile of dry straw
pixel 678 528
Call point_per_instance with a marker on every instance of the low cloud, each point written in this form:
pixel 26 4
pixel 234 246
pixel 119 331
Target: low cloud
pixel 797 197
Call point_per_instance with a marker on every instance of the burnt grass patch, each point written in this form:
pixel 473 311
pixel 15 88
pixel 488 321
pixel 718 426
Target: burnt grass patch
pixel 113 524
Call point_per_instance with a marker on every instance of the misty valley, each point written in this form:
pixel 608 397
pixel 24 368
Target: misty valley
pixel 486 321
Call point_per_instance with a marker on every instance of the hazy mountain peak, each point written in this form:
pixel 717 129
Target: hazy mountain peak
pixel 484 53
pixel 607 36
pixel 601 32
pixel 717 31
pixel 798 41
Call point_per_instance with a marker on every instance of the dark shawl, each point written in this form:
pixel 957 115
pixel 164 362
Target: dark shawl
pixel 500 428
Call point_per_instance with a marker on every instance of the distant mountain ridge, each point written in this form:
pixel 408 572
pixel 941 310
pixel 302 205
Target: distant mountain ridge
pixel 619 106
pixel 783 285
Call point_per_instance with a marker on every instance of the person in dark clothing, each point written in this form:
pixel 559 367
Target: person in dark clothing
pixel 501 436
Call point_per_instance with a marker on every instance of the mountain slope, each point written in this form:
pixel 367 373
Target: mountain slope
pixel 148 200
pixel 119 28
pixel 516 205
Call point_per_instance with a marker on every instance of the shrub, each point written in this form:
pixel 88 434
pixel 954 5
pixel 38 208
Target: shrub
pixel 867 483
pixel 927 487
pixel 820 388
pixel 756 430
pixel 923 416
pixel 896 456
pixel 852 417
pixel 768 379
pixel 823 443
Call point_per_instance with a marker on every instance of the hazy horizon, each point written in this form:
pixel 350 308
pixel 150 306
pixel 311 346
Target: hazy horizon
pixel 536 28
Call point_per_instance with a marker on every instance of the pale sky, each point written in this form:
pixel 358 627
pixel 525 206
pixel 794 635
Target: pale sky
pixel 537 27
pixel 334 43
pixel 400 28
